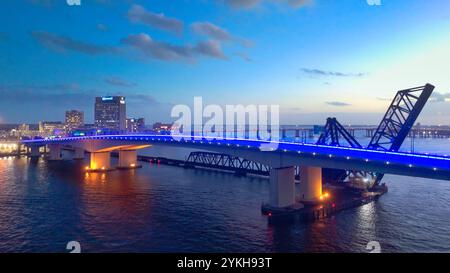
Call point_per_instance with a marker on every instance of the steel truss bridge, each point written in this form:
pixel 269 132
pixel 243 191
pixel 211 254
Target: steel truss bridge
pixel 226 162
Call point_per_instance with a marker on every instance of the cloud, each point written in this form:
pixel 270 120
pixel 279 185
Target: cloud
pixel 138 14
pixel 211 30
pixel 215 32
pixel 337 103
pixel 440 97
pixel 141 42
pixel 61 43
pixel 57 87
pixel 249 4
pixel 165 51
pixel 116 81
pixel 57 94
pixel 143 99
pixel 156 49
pixel 323 73
pixel 210 48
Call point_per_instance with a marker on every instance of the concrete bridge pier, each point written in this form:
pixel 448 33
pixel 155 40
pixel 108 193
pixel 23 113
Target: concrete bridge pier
pixel 128 159
pixel 78 153
pixel 55 151
pixel 19 149
pixel 99 161
pixel 34 151
pixel 282 187
pixel 310 184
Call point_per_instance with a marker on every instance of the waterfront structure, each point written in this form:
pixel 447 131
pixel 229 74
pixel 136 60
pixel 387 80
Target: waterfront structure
pixel 85 130
pixel 110 113
pixel 14 132
pixel 24 129
pixel 162 127
pixel 51 129
pixel 8 147
pixel 135 125
pixel 74 119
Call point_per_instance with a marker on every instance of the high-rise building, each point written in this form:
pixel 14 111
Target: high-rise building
pixel 74 119
pixel 135 125
pixel 110 113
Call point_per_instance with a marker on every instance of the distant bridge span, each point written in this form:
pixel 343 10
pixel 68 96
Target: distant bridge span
pixel 286 154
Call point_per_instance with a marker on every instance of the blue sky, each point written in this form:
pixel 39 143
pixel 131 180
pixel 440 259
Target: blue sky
pixel 315 58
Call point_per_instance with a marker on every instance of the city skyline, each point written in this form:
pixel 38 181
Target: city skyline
pixel 158 55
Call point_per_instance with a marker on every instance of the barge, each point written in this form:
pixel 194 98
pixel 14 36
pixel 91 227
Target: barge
pixel 341 198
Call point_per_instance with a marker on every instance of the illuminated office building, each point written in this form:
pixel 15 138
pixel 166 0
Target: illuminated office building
pixel 110 113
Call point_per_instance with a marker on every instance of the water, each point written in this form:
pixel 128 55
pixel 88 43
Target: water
pixel 44 205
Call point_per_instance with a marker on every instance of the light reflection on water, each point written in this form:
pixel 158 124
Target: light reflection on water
pixel 43 205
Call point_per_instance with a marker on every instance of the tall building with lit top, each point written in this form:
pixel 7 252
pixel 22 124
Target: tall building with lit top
pixel 74 119
pixel 110 113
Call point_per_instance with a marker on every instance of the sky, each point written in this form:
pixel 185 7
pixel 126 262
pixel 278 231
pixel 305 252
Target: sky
pixel 313 58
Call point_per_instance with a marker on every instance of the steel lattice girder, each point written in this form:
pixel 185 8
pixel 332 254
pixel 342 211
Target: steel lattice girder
pixel 333 131
pixel 400 118
pixel 391 133
pixel 217 160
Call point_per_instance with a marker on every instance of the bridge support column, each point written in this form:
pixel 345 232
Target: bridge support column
pixel 128 159
pixel 310 184
pixel 34 151
pixel 100 161
pixel 55 152
pixel 19 149
pixel 282 187
pixel 78 154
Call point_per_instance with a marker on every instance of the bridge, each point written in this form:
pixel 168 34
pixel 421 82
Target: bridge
pixel 327 158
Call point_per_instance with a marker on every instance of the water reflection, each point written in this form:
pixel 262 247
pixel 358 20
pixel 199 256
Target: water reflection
pixel 158 208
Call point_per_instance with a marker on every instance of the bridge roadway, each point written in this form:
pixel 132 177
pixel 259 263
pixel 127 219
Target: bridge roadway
pixel 281 155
